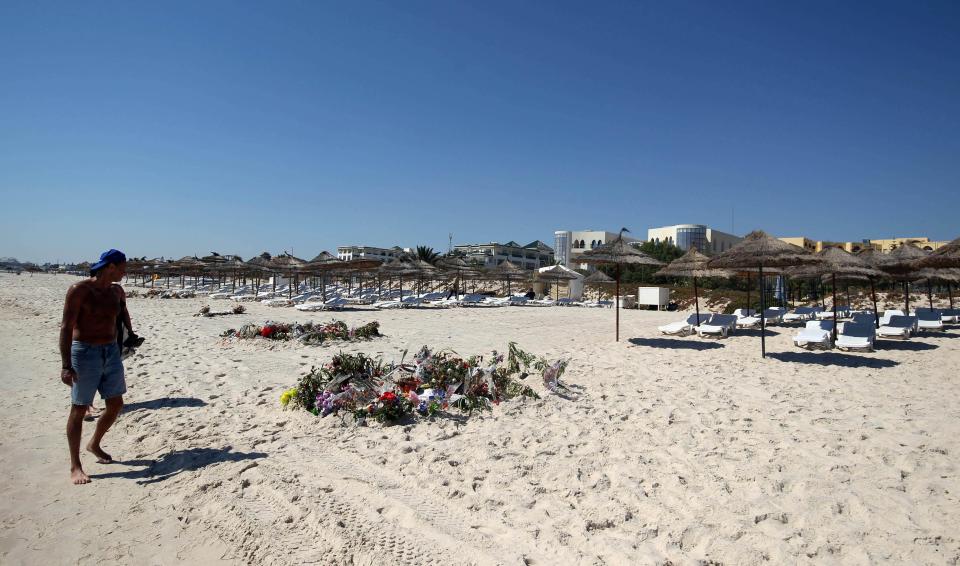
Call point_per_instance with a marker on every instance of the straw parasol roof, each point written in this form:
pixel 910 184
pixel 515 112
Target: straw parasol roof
pixel 324 261
pixel 554 273
pixel 617 252
pixel 901 261
pixel 509 270
pixel 932 275
pixel 760 249
pixel 692 264
pixel 835 261
pixel 286 262
pixel 324 257
pixel 944 256
pixel 598 278
pixel 261 261
pixel 398 267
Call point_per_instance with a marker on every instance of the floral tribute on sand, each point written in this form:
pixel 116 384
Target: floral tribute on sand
pixel 308 333
pixel 433 382
pixel 205 311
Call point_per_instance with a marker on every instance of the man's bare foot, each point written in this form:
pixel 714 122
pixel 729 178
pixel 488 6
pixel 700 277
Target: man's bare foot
pixel 92 413
pixel 102 457
pixel 78 477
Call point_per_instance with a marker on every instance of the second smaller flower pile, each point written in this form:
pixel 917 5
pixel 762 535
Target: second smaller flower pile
pixel 308 333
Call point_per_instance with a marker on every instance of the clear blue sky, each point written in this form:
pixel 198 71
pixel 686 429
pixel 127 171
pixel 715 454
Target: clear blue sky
pixel 169 128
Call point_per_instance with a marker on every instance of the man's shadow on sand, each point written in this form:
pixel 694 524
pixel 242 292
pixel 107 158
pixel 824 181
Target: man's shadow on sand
pixel 175 462
pixel 165 403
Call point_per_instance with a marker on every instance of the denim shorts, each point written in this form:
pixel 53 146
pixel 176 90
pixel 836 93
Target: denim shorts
pixel 98 368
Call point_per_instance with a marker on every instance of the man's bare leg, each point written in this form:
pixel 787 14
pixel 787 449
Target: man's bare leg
pixel 109 415
pixel 74 430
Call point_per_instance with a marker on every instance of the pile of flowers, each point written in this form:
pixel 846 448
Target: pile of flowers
pixel 308 333
pixel 433 382
pixel 205 311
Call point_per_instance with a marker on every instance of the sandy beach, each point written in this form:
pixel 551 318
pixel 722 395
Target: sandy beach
pixel 669 450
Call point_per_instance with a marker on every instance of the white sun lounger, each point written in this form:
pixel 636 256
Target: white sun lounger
pixel 474 300
pixel 683 327
pixel 774 315
pixel 864 317
pixel 885 317
pixel 801 314
pixel 720 325
pixel 949 315
pixel 856 336
pixel 815 333
pixel 929 319
pixel 897 326
pixel 746 318
pixel 827 314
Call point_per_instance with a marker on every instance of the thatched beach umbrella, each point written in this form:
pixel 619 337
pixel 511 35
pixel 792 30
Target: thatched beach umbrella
pixel 289 265
pixel 456 265
pixel 870 256
pixel 928 276
pixel 692 264
pixel 835 262
pixel 617 253
pixel 901 264
pixel 399 268
pixel 188 265
pixel 509 272
pixel 424 270
pixel 259 265
pixel 757 251
pixel 943 257
pixel 599 280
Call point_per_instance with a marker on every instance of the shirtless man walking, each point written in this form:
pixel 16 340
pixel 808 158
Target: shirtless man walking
pixel 90 355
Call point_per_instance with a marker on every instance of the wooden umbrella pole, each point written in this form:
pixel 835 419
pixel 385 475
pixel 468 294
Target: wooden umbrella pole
pixel 833 281
pixel 906 295
pixel 930 293
pixel 763 323
pixel 950 294
pixel 616 304
pixel 749 283
pixel 696 300
pixel 873 295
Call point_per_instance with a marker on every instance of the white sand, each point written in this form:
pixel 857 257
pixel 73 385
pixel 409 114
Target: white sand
pixel 669 452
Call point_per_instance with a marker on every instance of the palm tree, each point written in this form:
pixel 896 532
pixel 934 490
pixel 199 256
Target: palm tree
pixel 427 254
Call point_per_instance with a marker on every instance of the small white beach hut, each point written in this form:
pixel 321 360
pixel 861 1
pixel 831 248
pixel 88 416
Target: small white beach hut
pixel 575 282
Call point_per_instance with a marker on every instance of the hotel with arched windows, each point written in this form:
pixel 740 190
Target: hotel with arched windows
pixel 569 244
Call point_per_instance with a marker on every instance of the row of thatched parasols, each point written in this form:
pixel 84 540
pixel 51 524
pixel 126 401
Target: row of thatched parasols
pixel 325 264
pixel 759 253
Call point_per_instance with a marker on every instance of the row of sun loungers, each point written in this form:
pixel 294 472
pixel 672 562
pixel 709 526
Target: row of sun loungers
pixel 857 332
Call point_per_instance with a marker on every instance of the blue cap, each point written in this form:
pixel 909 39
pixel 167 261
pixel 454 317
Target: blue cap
pixel 108 257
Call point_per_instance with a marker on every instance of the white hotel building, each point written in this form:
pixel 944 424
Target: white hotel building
pixel 370 252
pixel 684 236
